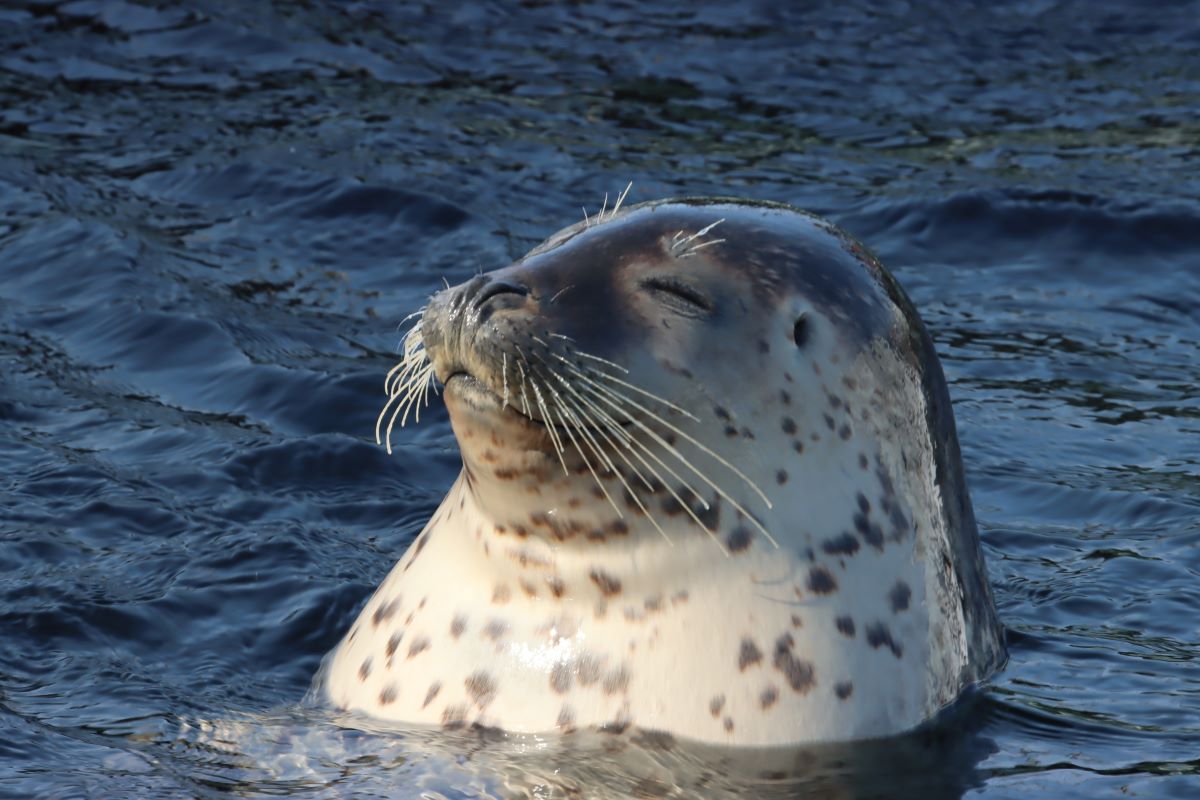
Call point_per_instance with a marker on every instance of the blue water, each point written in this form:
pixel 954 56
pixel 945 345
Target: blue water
pixel 213 216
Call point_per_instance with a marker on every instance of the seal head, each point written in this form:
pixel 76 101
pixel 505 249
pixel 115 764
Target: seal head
pixel 711 486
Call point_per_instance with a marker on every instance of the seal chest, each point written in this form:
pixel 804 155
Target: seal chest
pixel 711 486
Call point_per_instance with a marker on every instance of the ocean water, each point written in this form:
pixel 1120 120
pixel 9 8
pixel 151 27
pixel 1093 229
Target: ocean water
pixel 214 215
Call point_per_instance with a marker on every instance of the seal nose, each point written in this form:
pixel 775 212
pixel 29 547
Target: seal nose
pixel 495 288
pixel 497 294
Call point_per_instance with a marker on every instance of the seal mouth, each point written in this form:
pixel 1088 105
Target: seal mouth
pixel 476 393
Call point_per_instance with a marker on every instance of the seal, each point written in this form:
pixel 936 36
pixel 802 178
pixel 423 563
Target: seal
pixel 711 487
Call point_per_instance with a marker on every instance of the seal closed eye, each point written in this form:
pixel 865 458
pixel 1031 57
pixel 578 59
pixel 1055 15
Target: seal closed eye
pixel 750 527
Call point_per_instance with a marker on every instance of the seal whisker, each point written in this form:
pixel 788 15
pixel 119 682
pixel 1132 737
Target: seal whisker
pixel 658 418
pixel 402 399
pixel 579 415
pixel 599 452
pixel 541 403
pixel 627 385
pixel 622 453
pixel 678 244
pixel 627 441
pixel 504 372
pixel 620 199
pixel 692 250
pixel 612 364
pixel 588 464
pixel 674 451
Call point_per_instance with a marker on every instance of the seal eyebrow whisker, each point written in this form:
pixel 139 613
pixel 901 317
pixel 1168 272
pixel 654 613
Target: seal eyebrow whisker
pixel 692 250
pixel 587 222
pixel 504 372
pixel 680 248
pixel 620 199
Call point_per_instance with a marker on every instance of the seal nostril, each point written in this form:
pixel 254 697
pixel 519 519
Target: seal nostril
pixel 498 287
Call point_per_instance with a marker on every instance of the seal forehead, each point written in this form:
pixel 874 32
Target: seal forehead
pixel 779 252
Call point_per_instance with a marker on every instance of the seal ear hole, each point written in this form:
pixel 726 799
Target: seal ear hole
pixel 800 331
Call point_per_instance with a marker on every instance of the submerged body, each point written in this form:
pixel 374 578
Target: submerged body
pixel 711 487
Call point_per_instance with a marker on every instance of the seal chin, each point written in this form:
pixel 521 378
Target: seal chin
pixel 468 389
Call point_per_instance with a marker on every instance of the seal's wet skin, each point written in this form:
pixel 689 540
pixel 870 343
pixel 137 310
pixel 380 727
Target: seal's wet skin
pixel 711 486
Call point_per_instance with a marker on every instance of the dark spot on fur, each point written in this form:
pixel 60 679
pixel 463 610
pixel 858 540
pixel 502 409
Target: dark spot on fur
pixel 388 695
pixel 458 625
pixel 781 477
pixel 843 545
pixel 618 527
pixel 899 597
pixel 419 645
pixel 617 680
pixel 768 697
pixel 878 636
pixel 501 594
pixel 722 414
pixel 844 432
pixel 365 670
pixel 789 426
pixel 394 642
pixel 899 523
pixel 557 587
pixel 785 397
pixel 715 705
pixel 738 539
pixel 821 581
pixel 588 668
pixel 830 422
pixel 560 678
pixel 748 654
pixel 843 689
pixel 729 724
pixel 845 626
pixel 862 461
pixel 797 622
pixel 870 532
pixel 798 446
pixel 495 629
pixel 763 347
pixel 747 433
pixel 864 505
pixel 455 716
pixel 385 611
pixel 800 675
pixel 481 686
pixel 607 584
pixel 528 588
pixel 434 688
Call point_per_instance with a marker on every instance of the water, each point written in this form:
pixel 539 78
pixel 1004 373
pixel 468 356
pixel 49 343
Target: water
pixel 214 217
